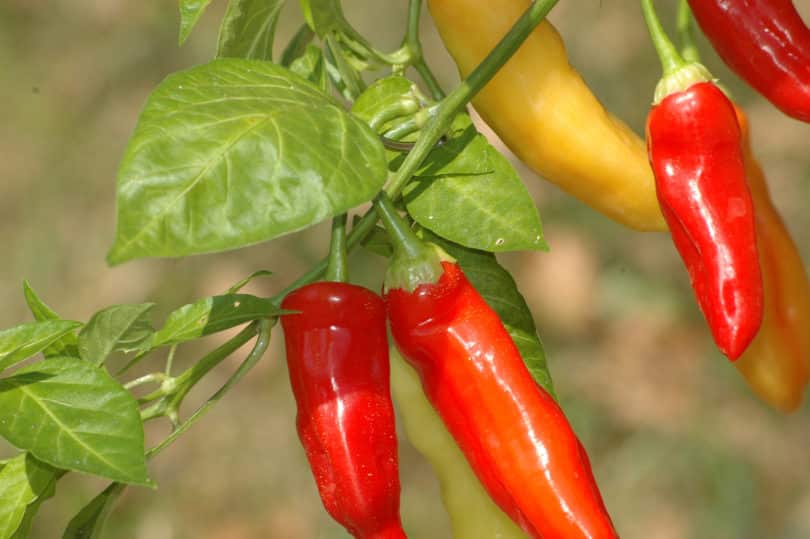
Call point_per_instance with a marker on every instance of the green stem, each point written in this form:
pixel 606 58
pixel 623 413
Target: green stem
pixel 404 239
pixel 262 341
pixel 413 43
pixel 186 381
pixel 436 127
pixel 671 61
pixel 338 270
pixel 686 34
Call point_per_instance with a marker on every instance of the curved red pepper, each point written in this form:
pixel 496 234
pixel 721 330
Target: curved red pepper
pixel 337 354
pixel 766 43
pixel 512 432
pixel 694 145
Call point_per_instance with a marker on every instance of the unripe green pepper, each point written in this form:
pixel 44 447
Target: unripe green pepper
pixel 473 515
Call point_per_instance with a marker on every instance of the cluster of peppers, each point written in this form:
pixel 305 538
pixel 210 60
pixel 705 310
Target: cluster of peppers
pixel 696 177
pixel 511 431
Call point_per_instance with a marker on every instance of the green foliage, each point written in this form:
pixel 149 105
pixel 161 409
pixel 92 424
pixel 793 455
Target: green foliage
pixel 211 315
pixel 236 152
pixel 23 480
pixel 73 415
pixel 462 181
pixel 248 29
pixel 190 13
pixel 23 341
pixel 121 327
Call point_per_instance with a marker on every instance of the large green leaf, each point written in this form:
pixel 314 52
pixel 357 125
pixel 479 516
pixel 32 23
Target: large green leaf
pixel 213 314
pixel 23 341
pixel 190 13
pixel 120 327
pixel 236 152
pixel 323 16
pixel 465 191
pixel 22 480
pixel 248 28
pixel 88 523
pixel 73 415
pixel 66 345
pixel 499 290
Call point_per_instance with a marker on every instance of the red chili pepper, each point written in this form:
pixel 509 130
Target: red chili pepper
pixel 766 43
pixel 337 354
pixel 693 141
pixel 694 145
pixel 512 432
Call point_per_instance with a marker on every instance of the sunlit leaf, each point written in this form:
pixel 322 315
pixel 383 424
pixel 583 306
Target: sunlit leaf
pixel 236 152
pixel 213 314
pixel 120 327
pixel 22 480
pixel 67 345
pixel 73 415
pixel 248 28
pixel 190 13
pixel 23 341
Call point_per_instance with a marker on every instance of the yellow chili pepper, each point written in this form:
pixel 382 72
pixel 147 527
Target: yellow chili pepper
pixel 545 113
pixel 473 515
pixel 776 364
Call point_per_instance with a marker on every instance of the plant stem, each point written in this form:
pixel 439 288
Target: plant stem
pixel 686 35
pixel 403 238
pixel 414 44
pixel 671 61
pixel 192 375
pixel 262 328
pixel 437 126
pixel 338 270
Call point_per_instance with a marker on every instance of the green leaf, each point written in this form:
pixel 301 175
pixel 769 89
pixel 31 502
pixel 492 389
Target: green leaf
pixel 312 66
pixel 461 182
pixel 67 344
pixel 23 341
pixel 236 152
pixel 120 327
pixel 24 530
pixel 297 45
pixel 213 314
pixel 73 415
pixel 22 480
pixel 88 523
pixel 499 290
pixel 190 13
pixel 323 16
pixel 468 181
pixel 241 284
pixel 382 102
pixel 248 29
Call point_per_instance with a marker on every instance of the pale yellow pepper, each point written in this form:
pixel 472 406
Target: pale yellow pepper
pixel 545 113
pixel 473 515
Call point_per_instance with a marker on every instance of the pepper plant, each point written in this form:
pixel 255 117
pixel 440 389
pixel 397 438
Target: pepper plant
pixel 252 146
pixel 241 150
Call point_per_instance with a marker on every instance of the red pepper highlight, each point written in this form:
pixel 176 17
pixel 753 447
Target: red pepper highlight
pixel 766 43
pixel 693 142
pixel 337 354
pixel 512 432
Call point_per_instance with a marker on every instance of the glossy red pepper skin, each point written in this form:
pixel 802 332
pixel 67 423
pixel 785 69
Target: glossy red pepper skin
pixel 512 432
pixel 766 43
pixel 693 141
pixel 337 354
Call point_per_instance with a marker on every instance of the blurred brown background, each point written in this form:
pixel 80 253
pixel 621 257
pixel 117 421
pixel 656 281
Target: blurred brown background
pixel 680 447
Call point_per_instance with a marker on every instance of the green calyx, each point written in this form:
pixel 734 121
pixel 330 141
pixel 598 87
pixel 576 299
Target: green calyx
pixel 680 79
pixel 409 269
